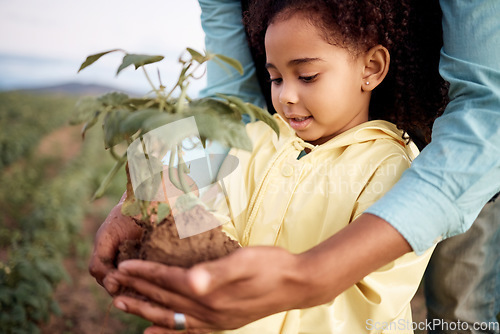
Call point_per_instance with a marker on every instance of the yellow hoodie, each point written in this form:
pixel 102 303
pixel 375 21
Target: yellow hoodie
pixel 276 199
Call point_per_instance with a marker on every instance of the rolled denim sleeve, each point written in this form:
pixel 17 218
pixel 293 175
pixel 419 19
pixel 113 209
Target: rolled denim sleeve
pixel 225 34
pixel 459 171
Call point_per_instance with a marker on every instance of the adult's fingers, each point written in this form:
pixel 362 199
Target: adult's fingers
pixel 162 317
pixel 202 278
pixel 171 278
pixel 207 277
pixel 154 292
pixel 162 330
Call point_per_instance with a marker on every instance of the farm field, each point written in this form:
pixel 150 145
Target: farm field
pixel 48 175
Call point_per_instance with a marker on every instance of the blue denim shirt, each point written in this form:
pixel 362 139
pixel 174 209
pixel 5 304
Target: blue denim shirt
pixel 459 171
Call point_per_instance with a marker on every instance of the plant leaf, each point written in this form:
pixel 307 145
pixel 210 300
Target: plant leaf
pixel 113 99
pixel 163 211
pixel 131 208
pixel 198 57
pixel 90 124
pixel 230 61
pixel 242 107
pixel 265 117
pixel 107 180
pixel 134 122
pixel 252 110
pixel 112 127
pixel 161 119
pixel 137 60
pixel 210 104
pixel 93 58
pixel 85 110
pixel 226 130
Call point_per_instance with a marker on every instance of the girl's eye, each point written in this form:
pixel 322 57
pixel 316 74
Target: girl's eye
pixel 309 78
pixel 276 81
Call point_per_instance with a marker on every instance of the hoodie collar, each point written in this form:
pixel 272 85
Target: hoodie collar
pixel 364 132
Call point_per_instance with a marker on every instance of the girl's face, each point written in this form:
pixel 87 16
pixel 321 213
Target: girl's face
pixel 315 86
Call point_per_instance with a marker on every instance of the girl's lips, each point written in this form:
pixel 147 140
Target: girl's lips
pixel 300 123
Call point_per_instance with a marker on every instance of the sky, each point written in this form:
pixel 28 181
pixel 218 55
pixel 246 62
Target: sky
pixel 44 42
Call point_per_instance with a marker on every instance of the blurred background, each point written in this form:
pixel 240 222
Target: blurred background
pixel 47 172
pixel 43 43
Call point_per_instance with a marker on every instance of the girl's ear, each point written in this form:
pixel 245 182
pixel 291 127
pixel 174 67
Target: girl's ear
pixel 376 61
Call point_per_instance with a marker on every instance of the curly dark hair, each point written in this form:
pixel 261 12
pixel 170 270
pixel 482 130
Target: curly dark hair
pixel 413 93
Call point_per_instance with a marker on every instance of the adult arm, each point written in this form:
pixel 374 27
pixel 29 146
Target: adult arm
pixel 459 171
pixel 225 34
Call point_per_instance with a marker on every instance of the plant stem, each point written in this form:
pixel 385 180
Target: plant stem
pixel 158 93
pixel 171 169
pixel 181 170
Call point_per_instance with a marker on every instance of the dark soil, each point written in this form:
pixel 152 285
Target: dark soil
pixel 161 242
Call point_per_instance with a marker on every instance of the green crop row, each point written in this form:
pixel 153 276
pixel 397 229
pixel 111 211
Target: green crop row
pixel 25 118
pixel 41 220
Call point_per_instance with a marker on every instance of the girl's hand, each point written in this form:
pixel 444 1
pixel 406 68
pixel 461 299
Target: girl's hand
pixel 228 293
pixel 115 229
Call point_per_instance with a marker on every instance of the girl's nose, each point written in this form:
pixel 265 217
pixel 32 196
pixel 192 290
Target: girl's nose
pixel 288 95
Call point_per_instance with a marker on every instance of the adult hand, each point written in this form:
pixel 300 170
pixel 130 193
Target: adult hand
pixel 115 229
pixel 228 293
pixel 255 282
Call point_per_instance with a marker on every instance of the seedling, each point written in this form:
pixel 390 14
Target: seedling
pixel 127 121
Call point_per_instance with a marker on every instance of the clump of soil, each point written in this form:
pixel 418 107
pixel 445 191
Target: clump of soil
pixel 161 242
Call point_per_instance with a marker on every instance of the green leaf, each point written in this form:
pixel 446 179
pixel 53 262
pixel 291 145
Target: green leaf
pixel 93 58
pixel 198 57
pixel 134 122
pixel 107 180
pixel 161 119
pixel 230 61
pixel 252 110
pixel 85 110
pixel 90 124
pixel 18 314
pixel 210 104
pixel 131 208
pixel 137 60
pixel 226 130
pixel 242 107
pixel 54 308
pixel 6 295
pixel 163 211
pixel 265 117
pixel 112 127
pixel 113 99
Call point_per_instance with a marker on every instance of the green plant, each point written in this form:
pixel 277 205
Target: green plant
pixel 43 203
pixel 127 119
pixel 25 118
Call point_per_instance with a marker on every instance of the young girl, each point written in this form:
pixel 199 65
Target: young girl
pixel 340 73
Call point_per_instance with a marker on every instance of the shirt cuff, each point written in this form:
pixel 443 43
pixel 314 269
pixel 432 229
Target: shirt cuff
pixel 421 213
